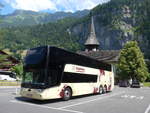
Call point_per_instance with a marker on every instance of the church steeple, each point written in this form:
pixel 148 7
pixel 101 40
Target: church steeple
pixel 92 43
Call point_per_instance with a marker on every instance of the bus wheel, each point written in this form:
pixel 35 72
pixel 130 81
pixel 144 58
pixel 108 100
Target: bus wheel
pixel 67 94
pixel 100 90
pixel 105 89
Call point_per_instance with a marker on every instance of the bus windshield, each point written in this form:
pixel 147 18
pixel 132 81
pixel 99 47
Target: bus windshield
pixel 42 78
pixel 35 77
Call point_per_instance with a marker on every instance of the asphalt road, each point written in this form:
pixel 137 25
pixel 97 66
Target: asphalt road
pixel 121 100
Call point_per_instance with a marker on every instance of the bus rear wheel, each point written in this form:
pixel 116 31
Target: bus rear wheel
pixel 100 90
pixel 67 94
pixel 105 89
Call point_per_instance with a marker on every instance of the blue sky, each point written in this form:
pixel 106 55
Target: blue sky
pixel 49 5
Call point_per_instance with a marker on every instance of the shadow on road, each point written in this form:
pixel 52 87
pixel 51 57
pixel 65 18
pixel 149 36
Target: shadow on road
pixel 40 102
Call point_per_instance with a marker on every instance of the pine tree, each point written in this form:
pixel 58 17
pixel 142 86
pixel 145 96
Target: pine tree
pixel 131 63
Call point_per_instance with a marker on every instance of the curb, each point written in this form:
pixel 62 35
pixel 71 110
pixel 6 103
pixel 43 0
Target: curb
pixel 2 87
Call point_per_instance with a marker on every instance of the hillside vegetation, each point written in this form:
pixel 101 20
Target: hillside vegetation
pixel 29 18
pixel 116 22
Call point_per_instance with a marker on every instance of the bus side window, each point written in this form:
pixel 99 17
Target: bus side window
pixel 78 78
pixel 52 77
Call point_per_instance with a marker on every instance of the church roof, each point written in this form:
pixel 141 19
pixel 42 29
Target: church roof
pixel 92 40
pixel 108 56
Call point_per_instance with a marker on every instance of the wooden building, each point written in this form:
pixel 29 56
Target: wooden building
pixel 7 61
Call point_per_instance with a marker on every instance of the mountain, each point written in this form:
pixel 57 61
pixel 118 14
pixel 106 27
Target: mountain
pixel 29 18
pixel 116 22
pixel 25 37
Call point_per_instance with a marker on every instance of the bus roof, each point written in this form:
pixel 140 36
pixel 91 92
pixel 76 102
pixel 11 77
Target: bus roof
pixel 60 56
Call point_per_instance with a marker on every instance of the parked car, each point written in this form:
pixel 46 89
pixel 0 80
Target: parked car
pixel 9 73
pixel 7 77
pixel 124 83
pixel 135 84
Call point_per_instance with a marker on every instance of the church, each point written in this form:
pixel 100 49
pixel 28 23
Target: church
pixel 92 49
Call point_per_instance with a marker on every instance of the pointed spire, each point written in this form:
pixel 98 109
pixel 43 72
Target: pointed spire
pixel 92 40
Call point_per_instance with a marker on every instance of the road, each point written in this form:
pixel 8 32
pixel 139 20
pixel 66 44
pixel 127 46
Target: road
pixel 121 100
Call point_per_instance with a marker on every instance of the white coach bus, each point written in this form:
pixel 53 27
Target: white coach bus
pixel 51 72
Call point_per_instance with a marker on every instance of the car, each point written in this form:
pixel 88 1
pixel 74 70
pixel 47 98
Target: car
pixel 124 83
pixel 135 84
pixel 7 77
pixel 9 73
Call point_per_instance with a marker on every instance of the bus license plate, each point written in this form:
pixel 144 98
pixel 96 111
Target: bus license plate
pixel 29 95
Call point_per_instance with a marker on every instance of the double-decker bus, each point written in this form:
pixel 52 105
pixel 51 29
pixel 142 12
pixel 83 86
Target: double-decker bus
pixel 51 72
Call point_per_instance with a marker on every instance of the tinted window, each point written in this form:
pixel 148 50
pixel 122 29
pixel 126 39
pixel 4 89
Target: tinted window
pixel 35 58
pixel 77 78
pixel 54 74
pixel 35 55
pixel 60 56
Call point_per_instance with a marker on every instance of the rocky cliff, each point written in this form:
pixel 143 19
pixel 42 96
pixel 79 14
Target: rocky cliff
pixel 117 22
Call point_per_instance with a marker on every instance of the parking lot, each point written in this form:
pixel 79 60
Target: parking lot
pixel 121 100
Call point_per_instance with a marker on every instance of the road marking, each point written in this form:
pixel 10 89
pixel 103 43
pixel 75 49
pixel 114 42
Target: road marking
pixel 7 90
pixel 35 105
pixel 141 97
pixel 101 98
pixel 133 97
pixel 124 96
pixel 4 94
pixel 148 109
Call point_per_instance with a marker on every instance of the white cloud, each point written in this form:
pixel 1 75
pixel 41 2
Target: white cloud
pixel 54 5
pixel 34 5
pixel 74 5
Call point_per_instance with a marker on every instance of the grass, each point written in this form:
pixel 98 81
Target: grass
pixel 146 84
pixel 7 83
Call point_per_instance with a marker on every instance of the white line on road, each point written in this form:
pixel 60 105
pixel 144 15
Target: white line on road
pixel 42 106
pixel 4 94
pixel 140 98
pixel 148 109
pixel 132 97
pixel 124 96
pixel 106 96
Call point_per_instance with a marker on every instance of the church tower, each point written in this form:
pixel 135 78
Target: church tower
pixel 92 43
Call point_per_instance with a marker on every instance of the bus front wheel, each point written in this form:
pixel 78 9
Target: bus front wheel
pixel 67 94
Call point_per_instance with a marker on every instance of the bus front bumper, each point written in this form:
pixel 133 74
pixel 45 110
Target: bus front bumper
pixel 32 93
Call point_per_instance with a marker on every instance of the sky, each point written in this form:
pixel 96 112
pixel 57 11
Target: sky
pixel 48 5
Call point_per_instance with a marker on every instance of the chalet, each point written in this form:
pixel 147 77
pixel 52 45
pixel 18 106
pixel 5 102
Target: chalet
pixel 7 61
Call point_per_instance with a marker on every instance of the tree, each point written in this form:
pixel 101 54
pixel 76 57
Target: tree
pixel 18 69
pixel 131 63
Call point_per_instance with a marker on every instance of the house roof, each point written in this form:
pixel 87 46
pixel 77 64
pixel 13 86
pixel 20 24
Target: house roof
pixel 13 59
pixel 109 56
pixel 7 62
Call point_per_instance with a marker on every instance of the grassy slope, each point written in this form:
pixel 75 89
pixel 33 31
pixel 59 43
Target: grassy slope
pixel 146 84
